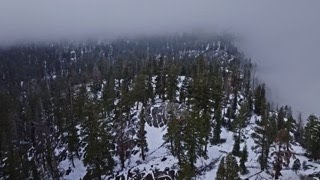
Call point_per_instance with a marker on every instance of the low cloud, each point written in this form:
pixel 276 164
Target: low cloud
pixel 282 37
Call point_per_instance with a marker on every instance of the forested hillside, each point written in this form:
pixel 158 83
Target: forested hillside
pixel 164 107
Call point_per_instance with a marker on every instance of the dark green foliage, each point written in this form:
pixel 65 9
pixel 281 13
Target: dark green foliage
pixel 174 135
pixel 99 150
pixel 85 96
pixel 260 100
pixel 216 86
pixel 280 127
pixel 140 89
pixel 298 134
pixel 217 126
pixel 161 79
pixel 262 139
pixel 171 85
pixel 186 171
pixel 312 136
pixel 296 165
pixel 12 166
pixel 108 95
pixel 243 160
pixel 73 143
pixel 280 119
pixel 228 169
pixel 221 172
pixel 6 112
pixel 232 167
pixel 283 154
pixel 192 142
pixel 241 120
pixel 141 136
pixel 236 147
pixel 183 93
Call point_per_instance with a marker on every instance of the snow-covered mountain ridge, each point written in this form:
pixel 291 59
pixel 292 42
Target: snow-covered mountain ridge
pixel 172 107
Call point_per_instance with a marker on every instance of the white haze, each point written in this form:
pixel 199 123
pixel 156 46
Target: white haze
pixel 283 37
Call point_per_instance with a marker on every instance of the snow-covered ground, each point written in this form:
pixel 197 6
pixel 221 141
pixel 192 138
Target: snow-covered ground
pixel 158 156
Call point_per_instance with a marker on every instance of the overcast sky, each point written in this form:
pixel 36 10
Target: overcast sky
pixel 283 37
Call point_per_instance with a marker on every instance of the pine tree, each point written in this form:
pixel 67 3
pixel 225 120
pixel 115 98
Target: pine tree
pixel 221 172
pixel 299 132
pixel 161 79
pixel 108 95
pixel 73 143
pixel 282 155
pixel 260 100
pixel 99 150
pixel 296 165
pixel 216 86
pixel 241 120
pixel 70 115
pixel 312 136
pixel 171 85
pixel 141 136
pixel 217 126
pixel 200 110
pixel 280 119
pixel 186 171
pixel 123 124
pixel 174 134
pixel 191 142
pixel 150 92
pixel 262 139
pixel 12 166
pixel 140 90
pixel 236 146
pixel 243 160
pixel 183 93
pixel 228 168
pixel 232 167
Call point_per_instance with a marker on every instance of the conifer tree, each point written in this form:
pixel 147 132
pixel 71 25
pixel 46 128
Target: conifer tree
pixel 228 168
pixel 99 150
pixel 236 146
pixel 221 172
pixel 216 87
pixel 11 165
pixel 280 119
pixel 260 100
pixel 140 89
pixel 232 167
pixel 73 143
pixel 241 120
pixel 312 136
pixel 171 85
pixel 243 160
pixel 174 134
pixel 141 136
pixel 217 126
pixel 201 105
pixel 150 92
pixel 183 93
pixel 161 78
pixel 296 165
pixel 262 140
pixel 282 155
pixel 191 142
pixel 109 95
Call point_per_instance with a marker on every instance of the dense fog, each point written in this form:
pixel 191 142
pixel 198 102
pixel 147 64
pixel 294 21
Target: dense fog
pixel 282 37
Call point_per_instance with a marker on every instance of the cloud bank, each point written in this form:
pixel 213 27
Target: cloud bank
pixel 283 37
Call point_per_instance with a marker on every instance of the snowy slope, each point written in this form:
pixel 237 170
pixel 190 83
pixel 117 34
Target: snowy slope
pixel 160 161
